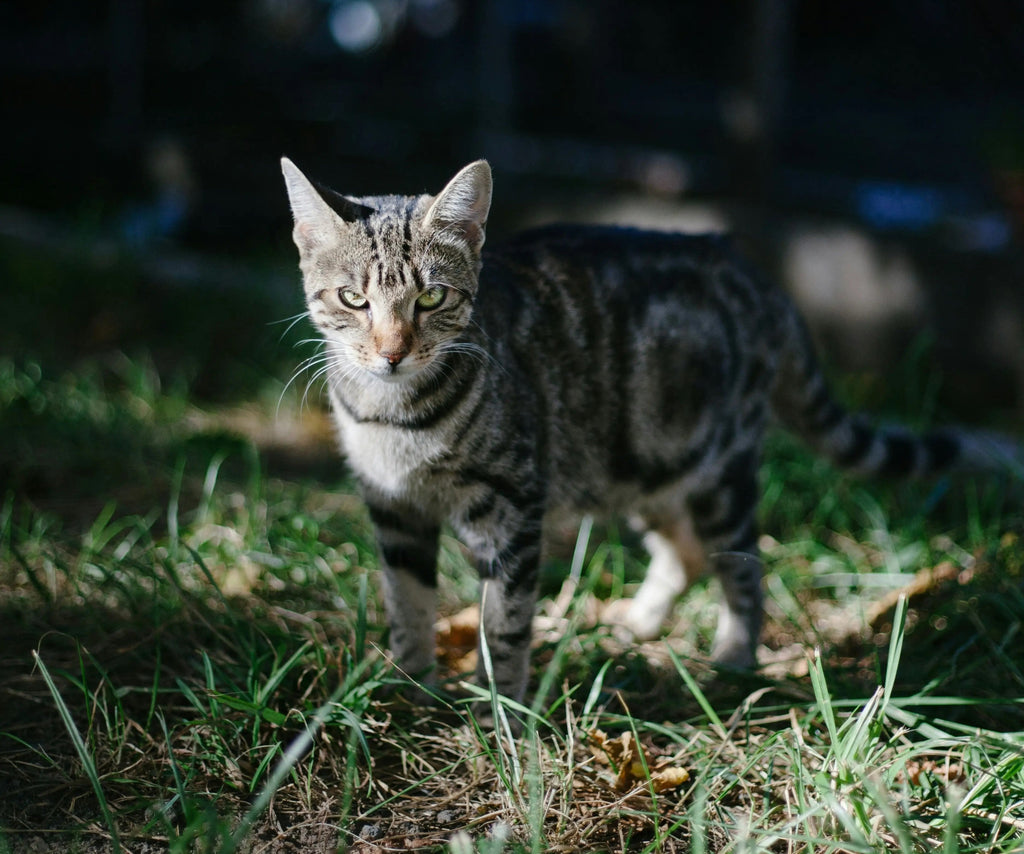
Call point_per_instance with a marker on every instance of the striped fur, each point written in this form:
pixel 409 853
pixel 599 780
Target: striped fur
pixel 578 368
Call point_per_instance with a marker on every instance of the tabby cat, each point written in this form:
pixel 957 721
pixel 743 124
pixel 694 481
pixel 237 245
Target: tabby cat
pixel 591 369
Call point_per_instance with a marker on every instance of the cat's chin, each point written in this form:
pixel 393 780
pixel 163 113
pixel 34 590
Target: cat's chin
pixel 395 376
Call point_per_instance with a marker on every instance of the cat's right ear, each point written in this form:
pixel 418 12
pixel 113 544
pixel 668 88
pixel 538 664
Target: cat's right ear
pixel 463 205
pixel 314 218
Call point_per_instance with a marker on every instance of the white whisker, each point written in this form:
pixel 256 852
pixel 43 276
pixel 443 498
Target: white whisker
pixel 291 321
pixel 469 348
pixel 319 366
pixel 305 341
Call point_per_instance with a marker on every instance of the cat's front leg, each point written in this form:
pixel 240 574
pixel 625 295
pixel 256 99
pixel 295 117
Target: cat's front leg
pixel 508 597
pixel 407 545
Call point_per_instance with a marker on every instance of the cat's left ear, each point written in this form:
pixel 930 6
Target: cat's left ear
pixel 464 204
pixel 314 217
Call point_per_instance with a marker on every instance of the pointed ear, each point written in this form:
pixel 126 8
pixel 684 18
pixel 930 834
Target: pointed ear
pixel 464 204
pixel 314 218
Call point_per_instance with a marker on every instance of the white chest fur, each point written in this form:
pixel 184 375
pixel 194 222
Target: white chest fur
pixel 390 458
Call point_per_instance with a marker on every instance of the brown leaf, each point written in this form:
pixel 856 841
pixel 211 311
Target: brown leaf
pixel 456 638
pixel 633 762
pixel 943 772
pixel 669 778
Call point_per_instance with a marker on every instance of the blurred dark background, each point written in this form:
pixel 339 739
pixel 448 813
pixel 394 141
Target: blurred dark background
pixel 870 154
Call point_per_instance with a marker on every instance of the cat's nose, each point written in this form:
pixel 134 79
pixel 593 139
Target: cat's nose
pixel 393 341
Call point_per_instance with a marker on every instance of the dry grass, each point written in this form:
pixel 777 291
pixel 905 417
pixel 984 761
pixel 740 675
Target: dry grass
pixel 187 699
pixel 199 591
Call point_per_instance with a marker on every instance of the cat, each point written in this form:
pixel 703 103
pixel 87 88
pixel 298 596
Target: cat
pixel 591 368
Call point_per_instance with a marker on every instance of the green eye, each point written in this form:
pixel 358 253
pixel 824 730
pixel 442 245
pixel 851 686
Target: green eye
pixel 351 298
pixel 431 298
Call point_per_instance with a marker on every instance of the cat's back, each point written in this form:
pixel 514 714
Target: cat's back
pixel 567 238
pixel 600 251
pixel 634 345
pixel 578 279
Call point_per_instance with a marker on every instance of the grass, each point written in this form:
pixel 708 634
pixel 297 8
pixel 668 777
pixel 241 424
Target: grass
pixel 191 649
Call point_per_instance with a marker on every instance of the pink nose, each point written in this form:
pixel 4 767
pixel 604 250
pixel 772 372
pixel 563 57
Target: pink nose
pixel 394 356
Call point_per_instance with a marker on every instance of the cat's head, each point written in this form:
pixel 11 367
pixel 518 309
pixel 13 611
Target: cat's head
pixel 390 280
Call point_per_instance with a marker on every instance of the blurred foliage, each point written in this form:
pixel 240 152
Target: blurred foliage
pixel 219 343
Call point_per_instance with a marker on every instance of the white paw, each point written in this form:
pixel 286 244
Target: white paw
pixel 635 619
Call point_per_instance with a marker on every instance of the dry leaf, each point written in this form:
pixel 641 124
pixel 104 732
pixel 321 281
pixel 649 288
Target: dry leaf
pixel 633 763
pixel 456 639
pixel 943 772
pixel 669 778
pixel 924 582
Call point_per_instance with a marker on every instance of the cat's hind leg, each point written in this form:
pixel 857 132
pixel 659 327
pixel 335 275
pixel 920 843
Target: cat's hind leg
pixel 740 612
pixel 677 559
pixel 725 521
pixel 717 529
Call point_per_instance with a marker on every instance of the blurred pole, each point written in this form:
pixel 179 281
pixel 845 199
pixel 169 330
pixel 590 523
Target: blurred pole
pixel 495 82
pixel 125 70
pixel 753 114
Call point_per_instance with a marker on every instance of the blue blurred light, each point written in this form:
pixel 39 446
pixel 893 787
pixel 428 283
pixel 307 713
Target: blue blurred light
pixel 356 26
pixel 888 205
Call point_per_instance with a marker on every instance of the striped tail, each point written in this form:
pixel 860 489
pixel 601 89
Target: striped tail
pixel 804 404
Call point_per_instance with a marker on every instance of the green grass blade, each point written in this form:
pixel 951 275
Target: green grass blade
pixel 83 754
pixel 823 698
pixel 293 754
pixel 696 691
pixel 594 694
pixel 361 619
pixel 265 691
pixel 892 666
pixel 858 729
